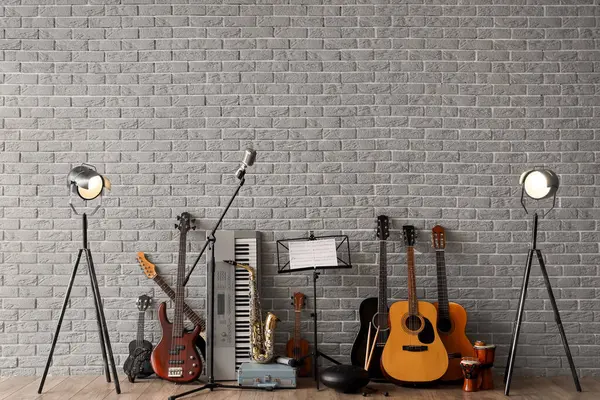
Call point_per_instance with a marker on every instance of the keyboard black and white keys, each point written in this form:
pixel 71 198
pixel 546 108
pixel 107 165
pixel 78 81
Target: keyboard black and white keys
pixel 232 301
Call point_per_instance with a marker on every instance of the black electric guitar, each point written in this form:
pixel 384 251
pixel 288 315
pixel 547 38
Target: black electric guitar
pixel 373 313
pixel 137 364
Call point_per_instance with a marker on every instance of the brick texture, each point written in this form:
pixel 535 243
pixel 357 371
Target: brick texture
pixel 424 110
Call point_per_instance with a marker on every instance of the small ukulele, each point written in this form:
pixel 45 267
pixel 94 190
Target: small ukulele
pixel 297 347
pixel 413 351
pixel 137 364
pixel 452 317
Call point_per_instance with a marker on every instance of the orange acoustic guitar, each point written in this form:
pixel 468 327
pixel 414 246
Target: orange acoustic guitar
pixel 414 351
pixel 452 317
pixel 297 347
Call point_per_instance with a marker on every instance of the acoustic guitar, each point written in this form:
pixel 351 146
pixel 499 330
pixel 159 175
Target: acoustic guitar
pixel 175 357
pixel 452 317
pixel 373 314
pixel 297 347
pixel 414 351
pixel 150 271
pixel 137 364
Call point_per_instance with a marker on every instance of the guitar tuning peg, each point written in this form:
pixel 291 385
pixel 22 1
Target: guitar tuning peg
pixel 193 220
pixel 193 228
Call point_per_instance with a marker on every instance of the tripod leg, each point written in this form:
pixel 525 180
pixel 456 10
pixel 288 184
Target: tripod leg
pixel 514 327
pixel 316 353
pixel 513 347
pixel 60 320
pixel 97 306
pixel 104 330
pixel 558 321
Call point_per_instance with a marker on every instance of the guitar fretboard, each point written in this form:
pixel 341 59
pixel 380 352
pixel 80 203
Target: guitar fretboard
pixel 382 304
pixel 191 314
pixel 297 327
pixel 442 284
pixel 413 305
pixel 180 290
pixel 140 329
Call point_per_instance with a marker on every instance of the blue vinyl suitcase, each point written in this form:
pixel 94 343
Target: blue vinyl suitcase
pixel 266 375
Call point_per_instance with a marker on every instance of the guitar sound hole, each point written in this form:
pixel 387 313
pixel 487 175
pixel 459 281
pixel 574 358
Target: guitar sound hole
pixel 413 323
pixel 444 325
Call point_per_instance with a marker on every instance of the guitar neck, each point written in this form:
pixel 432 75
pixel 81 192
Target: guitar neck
pixel 382 303
pixel 442 284
pixel 180 290
pixel 297 327
pixel 140 328
pixel 413 305
pixel 191 314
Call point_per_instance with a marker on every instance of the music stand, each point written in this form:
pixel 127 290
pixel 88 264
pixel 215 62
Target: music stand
pixel 286 269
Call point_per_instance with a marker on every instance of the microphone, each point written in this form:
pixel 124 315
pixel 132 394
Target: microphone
pixel 292 362
pixel 248 161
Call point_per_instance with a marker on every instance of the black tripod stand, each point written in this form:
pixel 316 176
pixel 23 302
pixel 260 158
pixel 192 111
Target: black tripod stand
pixel 316 353
pixel 515 336
pixel 102 329
pixel 210 244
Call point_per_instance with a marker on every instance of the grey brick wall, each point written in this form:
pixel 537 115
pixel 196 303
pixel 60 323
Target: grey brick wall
pixel 424 110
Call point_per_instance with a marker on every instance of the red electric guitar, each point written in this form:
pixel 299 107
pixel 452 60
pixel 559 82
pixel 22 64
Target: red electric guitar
pixel 175 357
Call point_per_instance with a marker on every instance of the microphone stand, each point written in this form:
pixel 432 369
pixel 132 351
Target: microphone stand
pixel 210 243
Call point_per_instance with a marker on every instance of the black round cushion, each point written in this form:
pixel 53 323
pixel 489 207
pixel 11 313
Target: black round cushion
pixel 345 378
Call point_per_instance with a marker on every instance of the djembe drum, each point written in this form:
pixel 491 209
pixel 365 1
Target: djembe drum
pixel 485 354
pixel 470 367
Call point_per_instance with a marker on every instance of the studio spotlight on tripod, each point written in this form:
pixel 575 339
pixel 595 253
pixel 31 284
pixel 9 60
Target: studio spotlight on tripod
pixel 88 184
pixel 537 184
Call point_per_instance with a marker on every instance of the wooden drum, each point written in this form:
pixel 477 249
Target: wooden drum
pixel 485 354
pixel 470 367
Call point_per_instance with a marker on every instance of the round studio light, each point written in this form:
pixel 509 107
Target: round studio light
pixel 87 182
pixel 539 184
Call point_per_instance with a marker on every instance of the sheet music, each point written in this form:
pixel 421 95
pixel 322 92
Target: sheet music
pixel 313 253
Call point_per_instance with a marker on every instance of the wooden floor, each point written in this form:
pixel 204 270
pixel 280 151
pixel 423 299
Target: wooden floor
pixel 96 388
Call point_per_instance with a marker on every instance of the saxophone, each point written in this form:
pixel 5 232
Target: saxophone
pixel 262 335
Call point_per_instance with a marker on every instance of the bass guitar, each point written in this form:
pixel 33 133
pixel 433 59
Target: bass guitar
pixel 452 317
pixel 137 364
pixel 149 270
pixel 414 351
pixel 373 312
pixel 175 357
pixel 297 347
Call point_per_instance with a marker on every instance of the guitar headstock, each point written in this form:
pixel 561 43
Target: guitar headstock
pixel 383 230
pixel 146 266
pixel 438 237
pixel 409 234
pixel 299 301
pixel 185 222
pixel 143 302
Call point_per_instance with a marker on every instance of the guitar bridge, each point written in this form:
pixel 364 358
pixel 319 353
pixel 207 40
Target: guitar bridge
pixel 175 372
pixel 414 348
